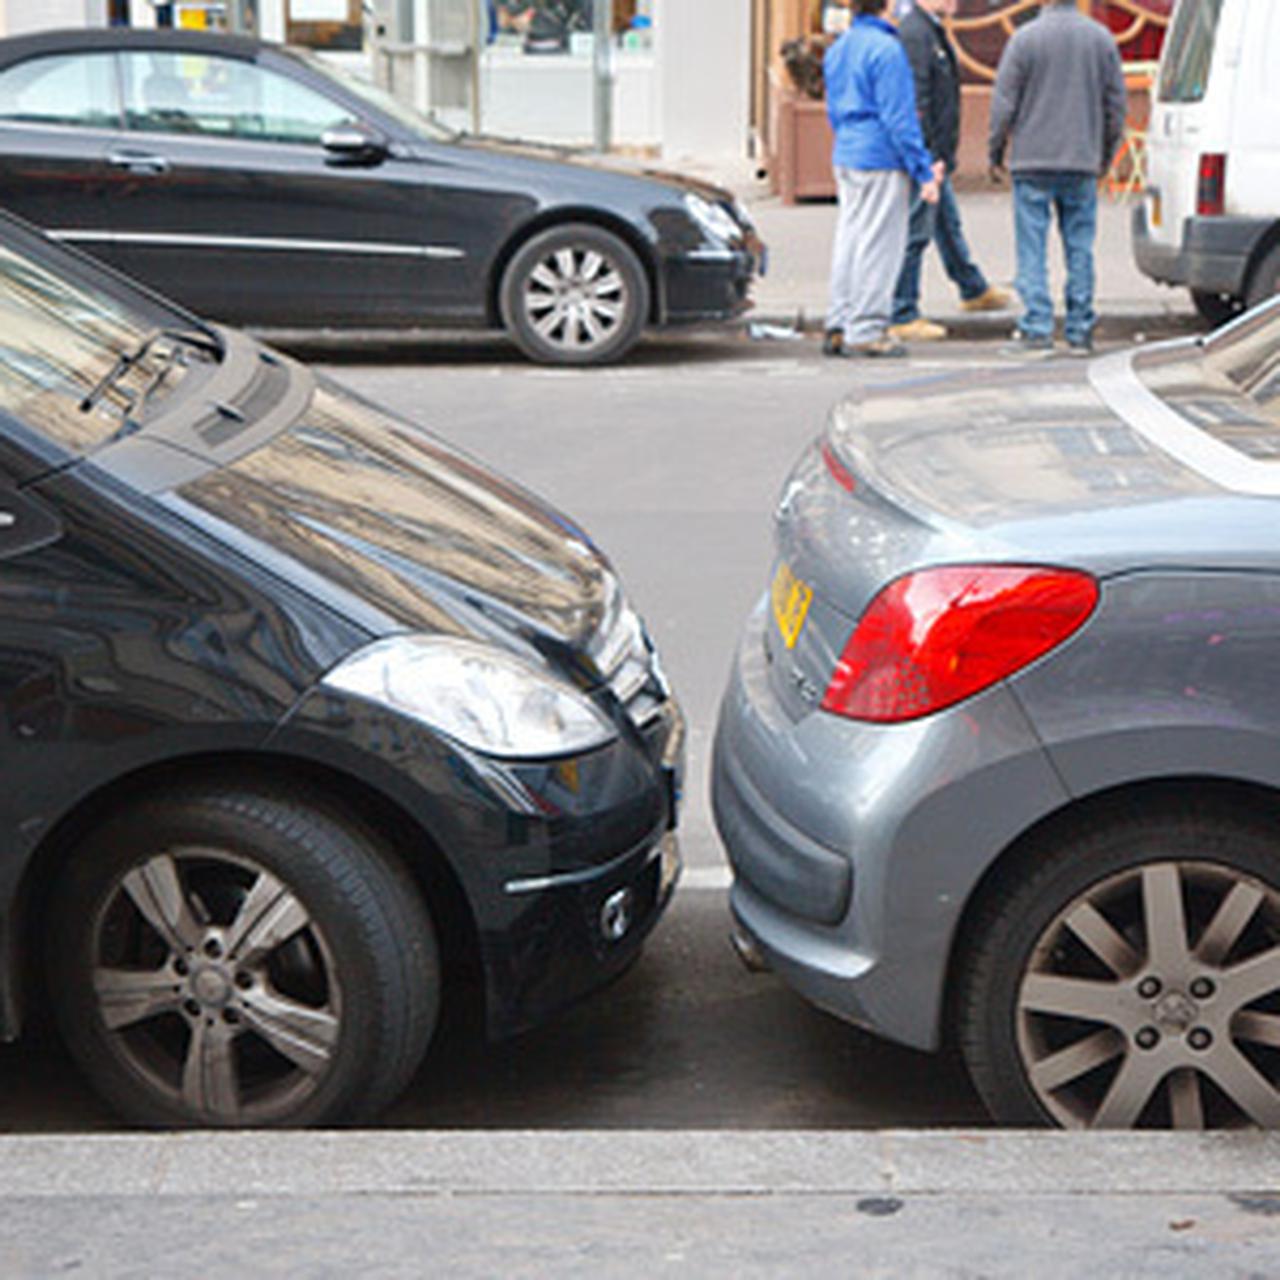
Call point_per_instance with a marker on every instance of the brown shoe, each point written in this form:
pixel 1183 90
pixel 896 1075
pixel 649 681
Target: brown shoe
pixel 991 298
pixel 833 342
pixel 879 349
pixel 918 330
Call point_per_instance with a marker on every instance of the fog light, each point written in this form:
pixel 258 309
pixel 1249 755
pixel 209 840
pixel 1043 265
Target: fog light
pixel 616 914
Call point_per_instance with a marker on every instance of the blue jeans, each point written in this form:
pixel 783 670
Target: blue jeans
pixel 940 223
pixel 1074 198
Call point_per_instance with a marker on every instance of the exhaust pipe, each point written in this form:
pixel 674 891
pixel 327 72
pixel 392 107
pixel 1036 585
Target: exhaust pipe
pixel 753 960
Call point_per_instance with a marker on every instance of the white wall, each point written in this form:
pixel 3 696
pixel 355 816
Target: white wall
pixel 20 16
pixel 704 60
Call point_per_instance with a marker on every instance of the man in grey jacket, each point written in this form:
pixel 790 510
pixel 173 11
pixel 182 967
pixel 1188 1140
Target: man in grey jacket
pixel 1060 96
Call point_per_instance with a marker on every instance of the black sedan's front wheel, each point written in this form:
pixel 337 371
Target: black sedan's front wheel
pixel 1130 978
pixel 241 958
pixel 575 295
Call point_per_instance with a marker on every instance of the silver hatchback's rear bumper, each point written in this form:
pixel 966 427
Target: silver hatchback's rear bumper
pixel 915 813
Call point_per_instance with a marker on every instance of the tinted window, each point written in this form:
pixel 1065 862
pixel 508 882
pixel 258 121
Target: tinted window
pixel 1188 51
pixel 59 337
pixel 79 89
pixel 222 97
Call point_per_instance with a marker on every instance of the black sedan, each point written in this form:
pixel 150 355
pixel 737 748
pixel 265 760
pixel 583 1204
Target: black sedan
pixel 304 717
pixel 259 187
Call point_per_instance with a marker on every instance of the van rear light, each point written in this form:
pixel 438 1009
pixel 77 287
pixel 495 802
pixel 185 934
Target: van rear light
pixel 933 638
pixel 1211 191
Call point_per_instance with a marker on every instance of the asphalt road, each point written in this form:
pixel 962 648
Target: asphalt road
pixel 672 462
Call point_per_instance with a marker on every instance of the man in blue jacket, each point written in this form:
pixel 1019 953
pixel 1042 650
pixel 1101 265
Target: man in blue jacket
pixel 879 150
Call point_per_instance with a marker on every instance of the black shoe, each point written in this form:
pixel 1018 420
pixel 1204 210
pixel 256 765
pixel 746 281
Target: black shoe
pixel 833 342
pixel 1028 347
pixel 1081 349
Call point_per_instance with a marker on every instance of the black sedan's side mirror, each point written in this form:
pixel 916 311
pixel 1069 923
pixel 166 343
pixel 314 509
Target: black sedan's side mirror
pixel 351 143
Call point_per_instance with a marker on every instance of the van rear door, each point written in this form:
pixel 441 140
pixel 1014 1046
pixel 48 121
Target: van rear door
pixel 1253 173
pixel 1192 112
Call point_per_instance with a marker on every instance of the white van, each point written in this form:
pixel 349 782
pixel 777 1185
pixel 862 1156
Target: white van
pixel 1211 216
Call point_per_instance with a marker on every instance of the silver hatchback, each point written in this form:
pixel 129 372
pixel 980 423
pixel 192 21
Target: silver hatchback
pixel 1000 755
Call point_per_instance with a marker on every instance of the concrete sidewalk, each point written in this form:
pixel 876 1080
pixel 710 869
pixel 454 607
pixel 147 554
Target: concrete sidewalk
pixel 639 1203
pixel 799 240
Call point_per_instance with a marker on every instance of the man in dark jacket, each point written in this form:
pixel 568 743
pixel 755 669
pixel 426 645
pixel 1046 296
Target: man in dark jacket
pixel 1060 96
pixel 937 79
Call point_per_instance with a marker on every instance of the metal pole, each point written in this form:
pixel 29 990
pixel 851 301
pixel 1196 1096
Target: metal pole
pixel 602 11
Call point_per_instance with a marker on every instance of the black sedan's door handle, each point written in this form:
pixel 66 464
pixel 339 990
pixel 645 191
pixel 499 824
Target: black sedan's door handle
pixel 138 162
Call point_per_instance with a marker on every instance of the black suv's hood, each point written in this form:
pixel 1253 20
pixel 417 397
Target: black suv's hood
pixel 415 535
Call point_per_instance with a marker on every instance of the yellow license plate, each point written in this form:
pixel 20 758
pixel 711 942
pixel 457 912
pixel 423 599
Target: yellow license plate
pixel 791 600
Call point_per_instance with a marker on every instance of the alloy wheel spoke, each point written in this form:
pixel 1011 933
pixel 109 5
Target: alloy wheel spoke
pixel 592 262
pixel 1165 917
pixel 1253 978
pixel 1228 923
pixel 210 1081
pixel 156 890
pixel 1241 1081
pixel 268 917
pixel 1186 1102
pixel 1104 940
pixel 566 266
pixel 1256 1027
pixel 594 330
pixel 306 1036
pixel 1129 1093
pixel 549 323
pixel 608 286
pixel 1075 1060
pixel 543 275
pixel 541 302
pixel 1071 998
pixel 610 311
pixel 126 996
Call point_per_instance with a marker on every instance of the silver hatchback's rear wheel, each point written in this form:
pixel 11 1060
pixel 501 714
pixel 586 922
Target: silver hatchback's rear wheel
pixel 1133 980
pixel 575 295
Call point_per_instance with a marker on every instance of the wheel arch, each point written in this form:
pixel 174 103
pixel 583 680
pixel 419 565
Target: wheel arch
pixel 1222 798
pixel 564 216
pixel 1269 241
pixel 388 823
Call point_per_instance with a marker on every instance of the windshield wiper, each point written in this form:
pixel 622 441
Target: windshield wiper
pixel 127 359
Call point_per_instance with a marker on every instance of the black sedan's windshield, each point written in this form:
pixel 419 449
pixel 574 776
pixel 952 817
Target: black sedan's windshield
pixel 79 361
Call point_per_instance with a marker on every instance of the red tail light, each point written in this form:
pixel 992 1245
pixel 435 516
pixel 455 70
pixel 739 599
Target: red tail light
pixel 1211 192
pixel 839 472
pixel 935 637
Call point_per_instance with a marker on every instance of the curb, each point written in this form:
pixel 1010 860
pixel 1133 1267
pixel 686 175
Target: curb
pixel 989 1163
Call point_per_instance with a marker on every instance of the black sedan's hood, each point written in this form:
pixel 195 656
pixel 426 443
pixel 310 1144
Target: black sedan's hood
pixel 405 533
pixel 535 160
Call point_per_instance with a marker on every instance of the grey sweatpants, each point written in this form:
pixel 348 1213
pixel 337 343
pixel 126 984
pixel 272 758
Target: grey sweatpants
pixel 870 243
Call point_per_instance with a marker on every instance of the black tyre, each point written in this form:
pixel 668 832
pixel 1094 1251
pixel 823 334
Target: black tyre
pixel 236 958
pixel 1215 308
pixel 575 295
pixel 1131 978
pixel 1264 279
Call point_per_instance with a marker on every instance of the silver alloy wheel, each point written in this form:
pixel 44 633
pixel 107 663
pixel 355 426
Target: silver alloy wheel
pixel 1154 999
pixel 216 986
pixel 575 299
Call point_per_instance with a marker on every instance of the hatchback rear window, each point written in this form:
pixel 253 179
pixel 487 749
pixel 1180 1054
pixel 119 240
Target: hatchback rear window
pixel 1188 51
pixel 1229 388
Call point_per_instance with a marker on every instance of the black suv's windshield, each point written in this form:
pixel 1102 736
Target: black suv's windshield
pixel 1188 51
pixel 78 363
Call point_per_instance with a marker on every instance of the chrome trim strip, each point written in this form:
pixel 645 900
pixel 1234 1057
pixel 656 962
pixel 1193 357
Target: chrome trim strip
pixel 711 255
pixel 283 243
pixel 1124 393
pixel 567 879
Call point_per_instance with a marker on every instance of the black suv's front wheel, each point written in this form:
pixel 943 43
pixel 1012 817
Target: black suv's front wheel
pixel 241 958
